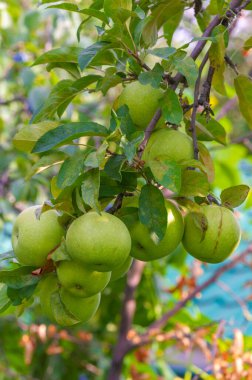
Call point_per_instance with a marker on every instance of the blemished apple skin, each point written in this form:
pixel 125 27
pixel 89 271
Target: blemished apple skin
pixel 221 238
pixel 100 241
pixel 81 281
pixel 174 145
pixel 47 286
pixel 121 270
pixel 144 248
pixel 81 308
pixel 33 239
pixel 142 101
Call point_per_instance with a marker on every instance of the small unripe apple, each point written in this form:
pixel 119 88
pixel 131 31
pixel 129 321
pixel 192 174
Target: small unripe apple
pixel 174 145
pixel 100 241
pixel 143 247
pixel 221 237
pixel 143 102
pixel 81 308
pixel 81 281
pixel 121 270
pixel 33 239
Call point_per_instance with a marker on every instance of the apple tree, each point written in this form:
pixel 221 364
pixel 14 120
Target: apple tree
pixel 133 148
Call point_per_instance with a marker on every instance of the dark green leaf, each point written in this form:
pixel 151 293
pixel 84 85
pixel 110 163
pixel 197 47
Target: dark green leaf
pixel 209 129
pixel 70 171
pixel 90 188
pixel 152 211
pixel 114 165
pixel 66 54
pixel 171 108
pixel 17 296
pixel 127 126
pixel 234 196
pixel 172 24
pixel 66 133
pixel 167 173
pixel 19 277
pixel 152 77
pixel 61 95
pixel 87 55
pixel 71 68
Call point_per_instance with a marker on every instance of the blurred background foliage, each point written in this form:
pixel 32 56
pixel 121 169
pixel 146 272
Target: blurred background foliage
pixel 30 347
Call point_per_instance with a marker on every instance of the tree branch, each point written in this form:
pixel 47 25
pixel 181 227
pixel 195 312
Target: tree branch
pixel 128 311
pixel 155 327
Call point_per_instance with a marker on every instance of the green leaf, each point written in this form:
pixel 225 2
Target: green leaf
pixel 209 129
pixel 70 171
pixel 46 162
pixel 164 52
pixel 160 14
pixel 127 126
pixel 189 69
pixel 90 188
pixel 60 312
pixel 4 299
pixel 118 10
pixel 218 47
pixel 66 133
pixel 130 147
pixel 243 87
pixel 61 253
pixel 216 7
pixel 172 24
pixel 167 173
pixel 218 81
pixel 234 196
pixel 88 11
pixel 114 165
pixel 87 55
pixel 206 158
pixel 110 79
pixel 194 183
pixel 152 77
pixel 152 211
pixel 71 68
pixel 62 94
pixel 171 108
pixel 19 277
pixel 67 54
pixel 17 296
pixel 248 44
pixel 27 137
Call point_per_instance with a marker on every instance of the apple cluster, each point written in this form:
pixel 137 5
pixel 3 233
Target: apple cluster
pixel 100 246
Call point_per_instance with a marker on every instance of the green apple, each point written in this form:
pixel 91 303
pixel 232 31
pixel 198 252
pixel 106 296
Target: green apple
pixel 81 308
pixel 100 241
pixel 174 145
pixel 121 270
pixel 143 102
pixel 81 281
pixel 143 247
pixel 47 285
pixel 33 239
pixel 221 237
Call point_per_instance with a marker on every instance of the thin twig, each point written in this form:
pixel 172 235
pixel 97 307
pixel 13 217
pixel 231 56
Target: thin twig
pixel 155 327
pixel 195 107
